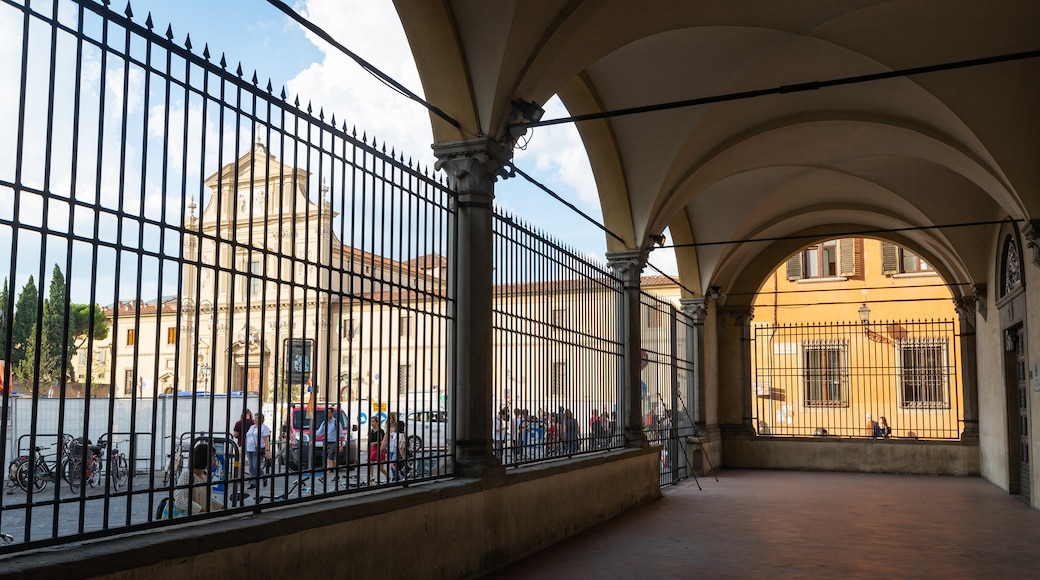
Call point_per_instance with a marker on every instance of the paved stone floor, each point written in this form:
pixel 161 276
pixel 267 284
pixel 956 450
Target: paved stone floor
pixel 781 524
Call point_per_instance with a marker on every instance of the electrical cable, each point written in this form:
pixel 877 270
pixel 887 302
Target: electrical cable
pixel 513 169
pixel 793 88
pixel 850 234
pixel 365 65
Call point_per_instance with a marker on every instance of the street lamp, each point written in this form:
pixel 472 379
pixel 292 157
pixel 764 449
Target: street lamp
pixel 864 317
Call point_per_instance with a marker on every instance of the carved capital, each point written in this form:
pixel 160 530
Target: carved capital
pixel 695 308
pixel 472 166
pixel 628 265
pixel 1031 231
pixel 966 307
pixel 741 315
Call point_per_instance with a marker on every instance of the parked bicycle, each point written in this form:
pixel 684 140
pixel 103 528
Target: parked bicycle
pixel 118 468
pixel 175 460
pixel 83 466
pixel 38 472
pixel 14 464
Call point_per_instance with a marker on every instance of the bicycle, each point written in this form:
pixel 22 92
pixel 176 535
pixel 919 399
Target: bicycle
pixel 14 464
pixel 118 466
pixel 38 472
pixel 78 469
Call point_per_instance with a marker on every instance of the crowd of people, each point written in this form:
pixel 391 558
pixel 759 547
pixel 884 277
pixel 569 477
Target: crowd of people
pixel 520 434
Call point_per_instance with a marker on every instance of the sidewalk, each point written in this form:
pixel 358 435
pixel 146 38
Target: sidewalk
pixel 778 524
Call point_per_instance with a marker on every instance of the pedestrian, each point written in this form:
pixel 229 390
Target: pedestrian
pixel 258 447
pixel 241 428
pixel 333 434
pixel 501 432
pixel 376 434
pixel 197 499
pixel 392 448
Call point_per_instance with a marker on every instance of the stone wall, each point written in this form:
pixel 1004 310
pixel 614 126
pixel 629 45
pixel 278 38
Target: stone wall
pixel 449 529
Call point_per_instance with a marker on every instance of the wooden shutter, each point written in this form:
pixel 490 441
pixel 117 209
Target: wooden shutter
pixel 847 257
pixel 889 258
pixel 794 267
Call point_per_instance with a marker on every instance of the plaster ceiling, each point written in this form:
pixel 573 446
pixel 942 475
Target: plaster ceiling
pixel 930 149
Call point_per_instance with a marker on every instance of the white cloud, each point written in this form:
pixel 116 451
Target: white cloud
pixel 373 31
pixel 558 152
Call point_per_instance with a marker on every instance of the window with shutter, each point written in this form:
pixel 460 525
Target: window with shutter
pixel 889 258
pixel 794 267
pixel 847 257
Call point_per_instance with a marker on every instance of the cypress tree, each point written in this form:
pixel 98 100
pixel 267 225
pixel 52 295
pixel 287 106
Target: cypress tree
pixel 4 297
pixel 54 344
pixel 23 322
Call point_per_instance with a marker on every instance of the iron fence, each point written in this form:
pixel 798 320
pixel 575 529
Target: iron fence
pixel 557 352
pixel 183 248
pixel 179 245
pixel 667 370
pixel 889 379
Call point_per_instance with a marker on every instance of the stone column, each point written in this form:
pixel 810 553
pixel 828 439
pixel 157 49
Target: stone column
pixel 966 311
pixel 472 167
pixel 695 309
pixel 628 265
pixel 735 371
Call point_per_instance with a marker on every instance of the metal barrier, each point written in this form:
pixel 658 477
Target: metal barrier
pixel 198 247
pixel 848 380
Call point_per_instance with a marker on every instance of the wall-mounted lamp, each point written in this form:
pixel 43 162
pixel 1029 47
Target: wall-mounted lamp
pixel 864 318
pixel 658 239
pixel 530 112
pixel 714 292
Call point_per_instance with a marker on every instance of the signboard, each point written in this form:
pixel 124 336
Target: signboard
pixel 298 354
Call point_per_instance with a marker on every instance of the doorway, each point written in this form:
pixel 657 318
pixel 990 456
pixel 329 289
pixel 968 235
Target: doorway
pixel 1016 378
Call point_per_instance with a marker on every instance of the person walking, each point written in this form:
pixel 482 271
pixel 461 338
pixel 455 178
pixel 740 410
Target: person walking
pixel 333 435
pixel 258 446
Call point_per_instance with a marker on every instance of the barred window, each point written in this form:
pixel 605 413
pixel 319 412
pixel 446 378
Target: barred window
pixel 825 373
pixel 922 372
pixel 559 378
pixel 404 379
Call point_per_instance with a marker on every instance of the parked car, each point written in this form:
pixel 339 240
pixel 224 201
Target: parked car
pixel 426 430
pixel 301 427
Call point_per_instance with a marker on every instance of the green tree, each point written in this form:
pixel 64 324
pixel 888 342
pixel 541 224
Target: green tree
pixel 54 344
pixel 4 297
pixel 80 324
pixel 23 322
pixel 50 367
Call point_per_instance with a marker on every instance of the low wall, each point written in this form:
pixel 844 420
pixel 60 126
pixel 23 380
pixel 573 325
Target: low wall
pixel 452 529
pixel 853 454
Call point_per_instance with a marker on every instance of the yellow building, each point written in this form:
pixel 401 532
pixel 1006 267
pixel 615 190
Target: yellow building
pixel 851 331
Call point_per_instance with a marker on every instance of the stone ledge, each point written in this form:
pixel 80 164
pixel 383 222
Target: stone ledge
pixel 164 551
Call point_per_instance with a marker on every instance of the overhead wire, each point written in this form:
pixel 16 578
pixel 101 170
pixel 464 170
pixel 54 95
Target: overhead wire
pixel 792 88
pixel 367 66
pixel 783 89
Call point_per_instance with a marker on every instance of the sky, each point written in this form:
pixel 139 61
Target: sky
pixel 261 38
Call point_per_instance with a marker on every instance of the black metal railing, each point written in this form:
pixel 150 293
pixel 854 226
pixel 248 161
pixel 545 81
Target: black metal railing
pixel 183 248
pixel 181 244
pixel 879 379
pixel 557 352
pixel 667 386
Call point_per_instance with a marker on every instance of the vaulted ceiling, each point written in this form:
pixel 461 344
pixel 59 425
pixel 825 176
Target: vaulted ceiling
pixel 912 151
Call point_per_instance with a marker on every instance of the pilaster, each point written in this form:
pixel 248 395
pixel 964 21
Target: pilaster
pixel 696 310
pixel 735 375
pixel 472 166
pixel 967 307
pixel 628 265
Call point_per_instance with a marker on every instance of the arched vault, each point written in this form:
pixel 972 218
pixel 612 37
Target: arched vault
pixel 931 149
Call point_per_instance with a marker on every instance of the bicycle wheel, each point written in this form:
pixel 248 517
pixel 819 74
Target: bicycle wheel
pixel 24 471
pixel 74 469
pixel 120 471
pixel 94 475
